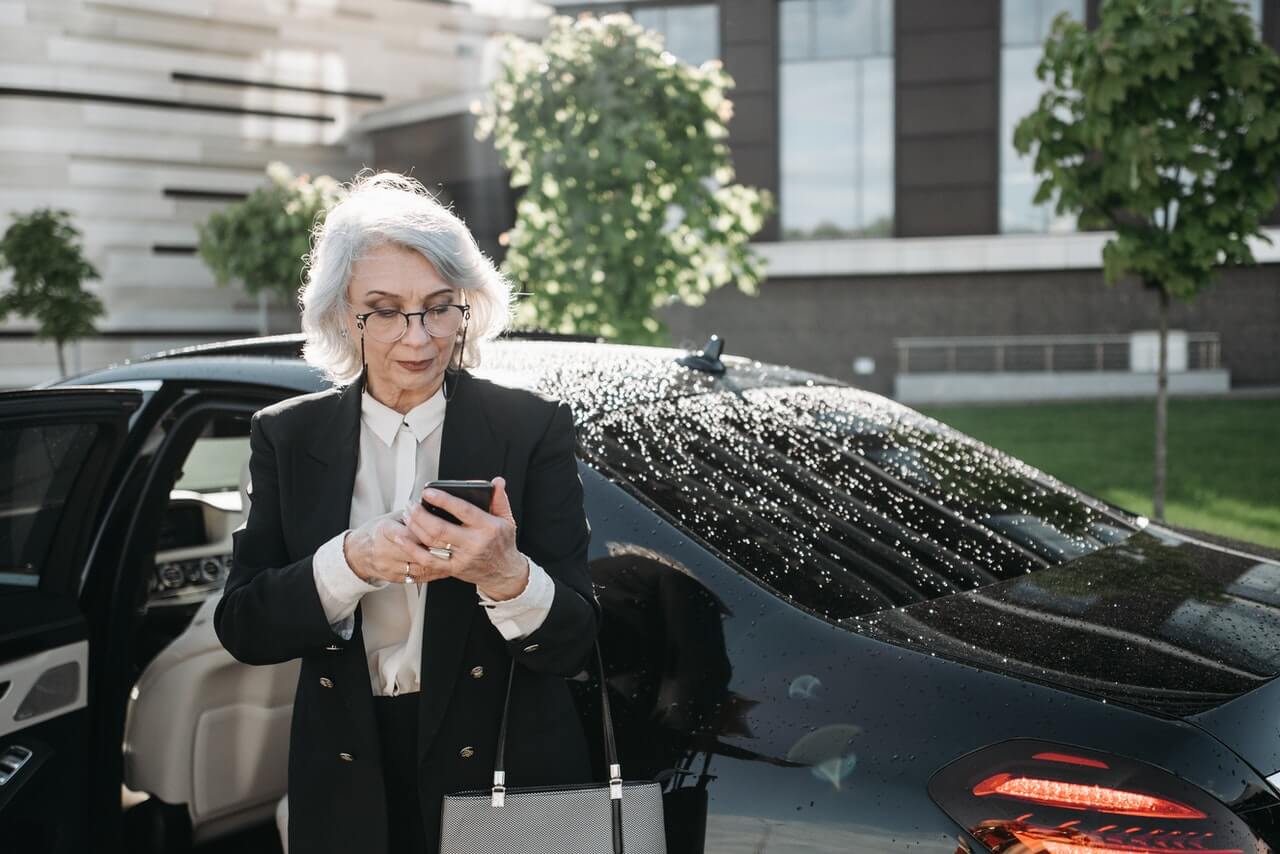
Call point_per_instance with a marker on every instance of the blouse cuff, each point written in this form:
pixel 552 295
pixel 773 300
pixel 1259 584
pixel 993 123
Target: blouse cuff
pixel 339 588
pixel 523 615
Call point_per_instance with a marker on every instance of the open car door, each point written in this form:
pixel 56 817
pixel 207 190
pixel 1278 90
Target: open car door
pixel 58 449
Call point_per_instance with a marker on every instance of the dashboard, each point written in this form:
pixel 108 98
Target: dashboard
pixel 193 546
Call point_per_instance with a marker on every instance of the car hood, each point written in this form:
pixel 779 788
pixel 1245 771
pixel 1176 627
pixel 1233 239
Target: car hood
pixel 1162 621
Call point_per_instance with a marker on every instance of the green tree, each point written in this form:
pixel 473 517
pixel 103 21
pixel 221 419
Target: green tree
pixel 628 203
pixel 43 251
pixel 1160 124
pixel 263 240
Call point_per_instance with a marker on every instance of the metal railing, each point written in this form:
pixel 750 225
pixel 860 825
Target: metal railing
pixel 1039 353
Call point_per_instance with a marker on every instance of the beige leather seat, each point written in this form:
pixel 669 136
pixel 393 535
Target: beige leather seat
pixel 208 732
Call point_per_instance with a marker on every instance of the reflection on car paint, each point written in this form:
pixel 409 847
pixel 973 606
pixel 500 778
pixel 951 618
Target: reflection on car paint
pixel 804 686
pixel 1155 621
pixel 828 752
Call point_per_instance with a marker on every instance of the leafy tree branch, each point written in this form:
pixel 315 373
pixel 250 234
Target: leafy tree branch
pixel 42 250
pixel 628 201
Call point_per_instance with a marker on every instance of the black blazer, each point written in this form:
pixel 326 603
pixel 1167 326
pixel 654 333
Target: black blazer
pixel 303 465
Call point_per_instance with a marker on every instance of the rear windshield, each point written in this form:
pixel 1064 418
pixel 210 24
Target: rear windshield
pixel 842 501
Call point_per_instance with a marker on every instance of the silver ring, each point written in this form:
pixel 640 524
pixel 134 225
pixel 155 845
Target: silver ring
pixel 443 553
pixel 408 579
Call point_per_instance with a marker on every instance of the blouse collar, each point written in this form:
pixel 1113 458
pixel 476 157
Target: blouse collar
pixel 385 422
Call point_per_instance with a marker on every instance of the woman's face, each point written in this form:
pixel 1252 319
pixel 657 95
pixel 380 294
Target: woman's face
pixel 406 372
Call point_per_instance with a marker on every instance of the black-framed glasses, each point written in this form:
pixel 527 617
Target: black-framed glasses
pixel 390 324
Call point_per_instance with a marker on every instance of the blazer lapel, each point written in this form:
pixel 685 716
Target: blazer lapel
pixel 327 477
pixel 326 480
pixel 469 450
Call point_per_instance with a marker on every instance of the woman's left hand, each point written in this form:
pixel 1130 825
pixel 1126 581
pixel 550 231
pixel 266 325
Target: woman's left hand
pixel 483 546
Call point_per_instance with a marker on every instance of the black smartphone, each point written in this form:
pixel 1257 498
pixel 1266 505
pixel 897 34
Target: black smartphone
pixel 478 492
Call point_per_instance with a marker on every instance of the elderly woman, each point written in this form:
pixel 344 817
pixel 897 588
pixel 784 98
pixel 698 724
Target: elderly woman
pixel 407 624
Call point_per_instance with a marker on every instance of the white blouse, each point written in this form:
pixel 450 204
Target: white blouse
pixel 398 456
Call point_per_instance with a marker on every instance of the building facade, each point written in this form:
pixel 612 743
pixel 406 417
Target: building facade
pixel 906 254
pixel 142 117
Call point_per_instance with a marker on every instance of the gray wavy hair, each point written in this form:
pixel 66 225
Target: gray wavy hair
pixel 381 208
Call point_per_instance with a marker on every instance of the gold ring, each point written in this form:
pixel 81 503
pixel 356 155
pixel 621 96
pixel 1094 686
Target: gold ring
pixel 408 579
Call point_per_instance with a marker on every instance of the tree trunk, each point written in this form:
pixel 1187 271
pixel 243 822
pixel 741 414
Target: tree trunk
pixel 1162 410
pixel 62 361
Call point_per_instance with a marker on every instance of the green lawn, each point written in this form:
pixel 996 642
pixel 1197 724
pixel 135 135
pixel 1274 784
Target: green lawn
pixel 1224 455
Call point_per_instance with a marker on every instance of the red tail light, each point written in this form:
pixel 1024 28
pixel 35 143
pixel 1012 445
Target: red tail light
pixel 1070 759
pixel 1028 797
pixel 1078 796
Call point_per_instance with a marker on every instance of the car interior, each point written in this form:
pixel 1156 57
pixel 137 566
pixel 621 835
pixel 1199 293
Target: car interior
pixel 206 738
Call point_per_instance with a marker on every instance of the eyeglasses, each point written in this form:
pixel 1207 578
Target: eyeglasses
pixel 390 324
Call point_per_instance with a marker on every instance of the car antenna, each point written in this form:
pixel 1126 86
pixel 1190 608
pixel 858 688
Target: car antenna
pixel 708 360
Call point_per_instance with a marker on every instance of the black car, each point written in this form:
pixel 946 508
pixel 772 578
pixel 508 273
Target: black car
pixel 831 623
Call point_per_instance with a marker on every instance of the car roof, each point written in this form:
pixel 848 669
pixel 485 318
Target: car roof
pixel 593 377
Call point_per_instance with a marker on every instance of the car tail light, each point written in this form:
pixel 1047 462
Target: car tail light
pixel 1028 797
pixel 1050 792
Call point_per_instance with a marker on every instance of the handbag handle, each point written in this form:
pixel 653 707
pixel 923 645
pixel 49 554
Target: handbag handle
pixel 610 751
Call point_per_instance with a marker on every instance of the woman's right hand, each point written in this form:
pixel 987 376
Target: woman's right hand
pixel 373 554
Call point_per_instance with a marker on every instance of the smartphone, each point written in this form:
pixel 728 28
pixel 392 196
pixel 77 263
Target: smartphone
pixel 478 492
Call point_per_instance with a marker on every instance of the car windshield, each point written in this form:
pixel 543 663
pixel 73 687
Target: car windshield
pixel 842 501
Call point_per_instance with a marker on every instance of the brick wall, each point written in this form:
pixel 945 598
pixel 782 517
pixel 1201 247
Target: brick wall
pixel 822 324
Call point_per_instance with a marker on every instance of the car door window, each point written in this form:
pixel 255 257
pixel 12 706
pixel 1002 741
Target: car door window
pixel 39 467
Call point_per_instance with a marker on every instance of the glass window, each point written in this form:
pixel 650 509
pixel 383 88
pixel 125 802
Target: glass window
pixel 214 464
pixel 193 529
pixel 843 502
pixel 1254 8
pixel 692 33
pixel 1024 27
pixel 39 466
pixel 836 118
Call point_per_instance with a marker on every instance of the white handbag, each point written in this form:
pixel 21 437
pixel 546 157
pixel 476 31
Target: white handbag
pixel 619 817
